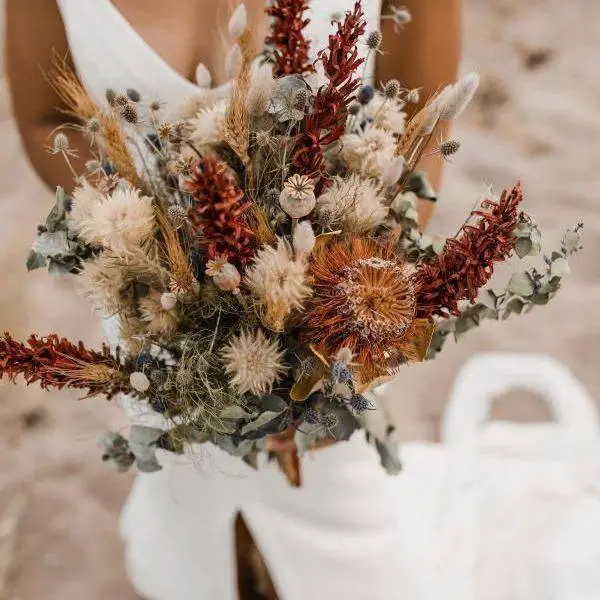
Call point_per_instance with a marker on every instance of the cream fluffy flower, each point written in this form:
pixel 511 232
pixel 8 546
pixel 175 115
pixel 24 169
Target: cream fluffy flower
pixel 254 362
pixel 85 197
pixel 153 313
pixel 368 152
pixel 353 205
pixel 386 114
pixel 208 124
pixel 122 221
pixel 278 282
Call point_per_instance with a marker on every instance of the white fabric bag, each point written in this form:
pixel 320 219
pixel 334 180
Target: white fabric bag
pixel 517 514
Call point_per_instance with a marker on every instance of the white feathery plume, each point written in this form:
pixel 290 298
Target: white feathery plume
pixel 203 76
pixel 303 239
pixel 238 21
pixel 459 97
pixel 233 62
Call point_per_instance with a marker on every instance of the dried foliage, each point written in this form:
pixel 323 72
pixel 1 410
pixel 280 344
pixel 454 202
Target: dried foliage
pixel 290 48
pixel 326 122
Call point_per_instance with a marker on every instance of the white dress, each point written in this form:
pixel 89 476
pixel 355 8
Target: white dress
pixel 337 536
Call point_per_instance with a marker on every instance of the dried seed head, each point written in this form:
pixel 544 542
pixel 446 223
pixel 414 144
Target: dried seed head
pixel 60 143
pixel 139 381
pixel 392 89
pixel 110 96
pixel 365 94
pixel 401 16
pixel 177 215
pixel 121 100
pixel 359 404
pixel 449 147
pixel 413 96
pixel 374 40
pixel 130 113
pixel 93 165
pixel 301 99
pixel 155 105
pixel 164 130
pixel 336 16
pixel 354 109
pixel 272 197
pixel 93 125
pixel 182 166
pixel 133 95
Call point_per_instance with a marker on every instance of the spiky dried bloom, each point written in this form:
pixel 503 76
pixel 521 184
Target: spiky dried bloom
pixel 159 321
pixel 208 126
pixel 391 89
pixel 326 123
pixel 254 362
pixel 56 363
pixel 364 300
pixel 467 262
pixel 385 114
pixel 219 211
pixel 448 148
pixel 368 152
pixel 374 39
pixel 122 221
pixel 286 37
pixel 353 205
pixel 278 283
pixel 84 198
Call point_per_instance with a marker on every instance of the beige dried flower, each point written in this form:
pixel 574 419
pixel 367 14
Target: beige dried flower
pixel 278 282
pixel 102 280
pixel 84 198
pixel 254 362
pixel 368 152
pixel 159 321
pixel 233 61
pixel 122 221
pixel 261 90
pixel 297 197
pixel 139 382
pixel 208 126
pixel 387 114
pixel 354 205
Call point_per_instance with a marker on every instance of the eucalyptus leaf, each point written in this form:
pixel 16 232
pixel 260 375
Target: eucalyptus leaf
pixel 521 284
pixel 143 443
pixel 260 422
pixel 389 454
pixel 560 267
pixel 307 436
pixel 236 413
pixel 571 240
pixel 53 244
pixel 57 215
pixel 35 260
pixel 489 299
pixel 438 245
pixel 523 247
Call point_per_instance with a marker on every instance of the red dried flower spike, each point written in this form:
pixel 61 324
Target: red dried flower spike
pixel 468 259
pixel 290 47
pixel 56 363
pixel 327 121
pixel 219 212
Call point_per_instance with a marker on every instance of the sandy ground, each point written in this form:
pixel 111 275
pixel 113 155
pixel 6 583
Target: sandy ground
pixel 536 120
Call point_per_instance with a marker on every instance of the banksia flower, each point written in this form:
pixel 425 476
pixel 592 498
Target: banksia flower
pixel 290 47
pixel 363 300
pixel 327 121
pixel 467 262
pixel 57 363
pixel 254 362
pixel 218 212
pixel 278 283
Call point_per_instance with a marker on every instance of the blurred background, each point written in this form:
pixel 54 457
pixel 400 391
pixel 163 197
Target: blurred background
pixel 535 119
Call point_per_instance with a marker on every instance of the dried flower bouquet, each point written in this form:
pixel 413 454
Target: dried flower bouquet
pixel 262 252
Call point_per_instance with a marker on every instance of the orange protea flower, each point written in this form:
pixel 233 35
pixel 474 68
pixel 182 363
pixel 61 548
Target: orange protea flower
pixel 364 299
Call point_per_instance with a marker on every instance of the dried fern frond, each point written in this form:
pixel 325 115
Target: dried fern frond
pixel 80 105
pixel 237 117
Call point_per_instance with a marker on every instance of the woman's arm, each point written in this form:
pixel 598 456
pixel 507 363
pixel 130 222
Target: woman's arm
pixel 425 54
pixel 34 30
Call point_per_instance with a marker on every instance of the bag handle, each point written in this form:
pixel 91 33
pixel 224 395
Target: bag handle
pixel 487 375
